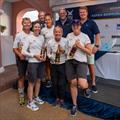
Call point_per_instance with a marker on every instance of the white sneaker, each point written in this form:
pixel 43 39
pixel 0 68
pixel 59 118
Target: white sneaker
pixel 32 106
pixel 38 100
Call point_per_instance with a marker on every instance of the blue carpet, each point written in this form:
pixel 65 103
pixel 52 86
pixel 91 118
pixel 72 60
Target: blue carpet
pixel 86 105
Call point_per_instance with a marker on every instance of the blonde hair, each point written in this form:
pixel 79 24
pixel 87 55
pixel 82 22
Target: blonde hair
pixel 83 8
pixel 58 27
pixel 24 19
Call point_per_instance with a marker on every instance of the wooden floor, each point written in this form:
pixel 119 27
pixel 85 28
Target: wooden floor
pixel 8 77
pixel 10 110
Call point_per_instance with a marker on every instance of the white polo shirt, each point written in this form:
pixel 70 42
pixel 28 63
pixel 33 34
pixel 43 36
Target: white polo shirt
pixel 20 39
pixel 48 33
pixel 52 48
pixel 33 46
pixel 79 54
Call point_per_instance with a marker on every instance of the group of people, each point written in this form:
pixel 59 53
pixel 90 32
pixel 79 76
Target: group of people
pixel 58 52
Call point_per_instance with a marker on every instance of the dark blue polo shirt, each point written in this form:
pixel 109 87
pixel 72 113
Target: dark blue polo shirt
pixel 90 28
pixel 67 27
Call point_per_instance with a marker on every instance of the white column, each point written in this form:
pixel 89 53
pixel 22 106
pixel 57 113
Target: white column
pixel 1 67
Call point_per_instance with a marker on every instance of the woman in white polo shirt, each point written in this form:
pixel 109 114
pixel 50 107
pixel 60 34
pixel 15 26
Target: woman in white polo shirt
pixel 32 49
pixel 78 47
pixel 48 34
pixel 56 52
pixel 21 60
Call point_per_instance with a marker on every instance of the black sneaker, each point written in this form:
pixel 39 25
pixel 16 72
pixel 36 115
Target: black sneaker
pixel 87 93
pixel 94 89
pixel 62 105
pixel 56 103
pixel 48 84
pixel 73 111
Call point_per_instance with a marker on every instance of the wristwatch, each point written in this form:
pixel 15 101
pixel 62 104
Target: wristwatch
pixel 97 46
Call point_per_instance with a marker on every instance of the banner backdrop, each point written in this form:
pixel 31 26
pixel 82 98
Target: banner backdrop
pixel 107 17
pixel 107 10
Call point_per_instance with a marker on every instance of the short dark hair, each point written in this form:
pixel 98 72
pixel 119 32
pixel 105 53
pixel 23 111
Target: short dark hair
pixel 36 22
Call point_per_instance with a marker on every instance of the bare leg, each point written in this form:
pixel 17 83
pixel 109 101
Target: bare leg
pixel 74 91
pixel 21 82
pixel 37 87
pixel 92 73
pixel 30 91
pixel 21 89
pixel 82 82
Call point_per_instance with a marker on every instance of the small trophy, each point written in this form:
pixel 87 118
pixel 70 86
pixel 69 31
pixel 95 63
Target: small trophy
pixel 20 45
pixel 43 52
pixel 72 52
pixel 57 56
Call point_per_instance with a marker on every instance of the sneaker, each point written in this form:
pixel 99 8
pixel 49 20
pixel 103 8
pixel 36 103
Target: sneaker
pixel 94 89
pixel 62 105
pixel 87 93
pixel 56 103
pixel 32 106
pixel 48 84
pixel 74 111
pixel 22 101
pixel 38 100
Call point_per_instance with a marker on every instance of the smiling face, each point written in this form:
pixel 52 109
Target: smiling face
pixel 49 21
pixel 41 16
pixel 26 23
pixel 76 29
pixel 58 33
pixel 36 28
pixel 63 14
pixel 83 13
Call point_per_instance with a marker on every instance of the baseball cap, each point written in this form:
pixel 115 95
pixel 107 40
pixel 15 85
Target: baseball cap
pixel 76 22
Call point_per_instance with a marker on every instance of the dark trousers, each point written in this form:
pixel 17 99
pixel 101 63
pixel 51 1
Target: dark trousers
pixel 58 80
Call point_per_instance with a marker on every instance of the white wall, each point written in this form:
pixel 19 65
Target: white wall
pixel 5 18
pixel 6 39
pixel 8 57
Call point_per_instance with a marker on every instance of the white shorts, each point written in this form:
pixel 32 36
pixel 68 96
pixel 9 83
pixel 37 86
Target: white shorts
pixel 91 58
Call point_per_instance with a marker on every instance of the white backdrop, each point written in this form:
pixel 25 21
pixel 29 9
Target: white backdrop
pixel 108 66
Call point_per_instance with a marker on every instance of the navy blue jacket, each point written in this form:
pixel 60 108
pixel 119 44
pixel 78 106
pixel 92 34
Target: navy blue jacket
pixel 67 27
